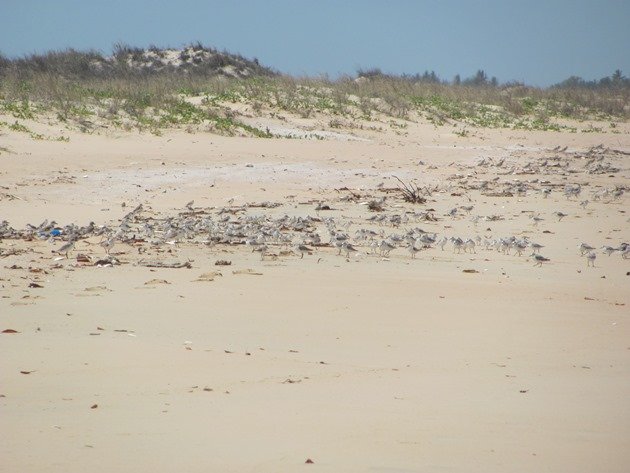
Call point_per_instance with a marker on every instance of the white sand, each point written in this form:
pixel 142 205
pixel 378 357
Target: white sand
pixel 365 364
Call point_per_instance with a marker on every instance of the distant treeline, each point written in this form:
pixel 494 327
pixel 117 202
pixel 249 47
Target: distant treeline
pixel 615 81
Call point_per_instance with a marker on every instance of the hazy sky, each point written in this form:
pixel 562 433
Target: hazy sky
pixel 539 42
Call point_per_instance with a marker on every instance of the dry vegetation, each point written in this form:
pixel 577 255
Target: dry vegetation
pixel 200 87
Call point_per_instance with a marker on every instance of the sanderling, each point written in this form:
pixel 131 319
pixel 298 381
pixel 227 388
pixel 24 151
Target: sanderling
pixel 303 249
pixel 412 250
pixel 148 230
pixel 66 248
pixel 458 244
pixel 609 250
pixel 443 241
pixel 338 239
pixel 262 249
pixel 348 248
pixel 426 240
pixel 585 248
pixel 617 193
pixel 560 215
pixel 255 243
pixel 172 234
pixel 520 246
pixel 487 243
pixel 590 259
pixel 313 239
pixel 539 259
pixel 572 191
pixel 469 245
pixel 385 247
pixel 536 247
pixel 108 244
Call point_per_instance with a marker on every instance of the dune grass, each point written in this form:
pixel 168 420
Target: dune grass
pixel 84 87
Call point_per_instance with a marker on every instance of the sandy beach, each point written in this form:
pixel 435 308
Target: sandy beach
pixel 475 360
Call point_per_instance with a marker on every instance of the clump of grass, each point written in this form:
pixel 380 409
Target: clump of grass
pixel 463 133
pixel 181 112
pixel 19 109
pixel 17 126
pixel 20 128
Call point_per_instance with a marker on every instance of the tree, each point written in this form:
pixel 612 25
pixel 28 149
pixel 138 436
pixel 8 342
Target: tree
pixel 480 78
pixel 617 77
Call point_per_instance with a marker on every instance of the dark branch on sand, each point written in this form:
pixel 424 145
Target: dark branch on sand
pixel 412 192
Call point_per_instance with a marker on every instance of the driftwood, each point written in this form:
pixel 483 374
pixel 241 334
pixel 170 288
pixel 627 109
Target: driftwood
pixel 412 193
pixel 251 272
pixel 264 205
pixel 108 261
pixel 11 252
pixel 164 264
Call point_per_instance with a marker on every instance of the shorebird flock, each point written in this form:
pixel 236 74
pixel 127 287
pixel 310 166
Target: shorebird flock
pixel 377 231
pixel 382 234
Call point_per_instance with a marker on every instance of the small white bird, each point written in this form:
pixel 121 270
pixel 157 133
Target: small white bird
pixel 458 244
pixel 539 259
pixel 590 259
pixel 385 247
pixel 585 248
pixel 348 248
pixel 254 243
pixel 443 241
pixel 303 249
pixel 262 249
pixel 66 248
pixel 413 250
pixel 469 245
pixel 108 244
pixel 560 215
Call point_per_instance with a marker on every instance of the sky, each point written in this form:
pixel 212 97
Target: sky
pixel 539 42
